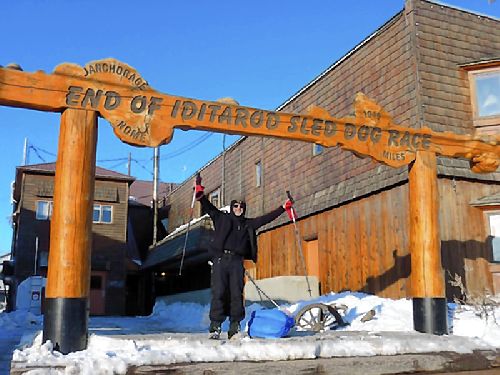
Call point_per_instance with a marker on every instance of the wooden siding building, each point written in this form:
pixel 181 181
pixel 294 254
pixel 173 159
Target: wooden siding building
pixel 421 67
pixel 121 234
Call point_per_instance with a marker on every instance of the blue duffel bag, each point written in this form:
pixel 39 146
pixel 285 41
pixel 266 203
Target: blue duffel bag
pixel 269 324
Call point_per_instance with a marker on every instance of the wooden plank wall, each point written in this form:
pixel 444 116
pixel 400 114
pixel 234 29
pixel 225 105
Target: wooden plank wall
pixel 108 245
pixel 28 227
pixel 364 246
pixel 464 233
pixel 117 230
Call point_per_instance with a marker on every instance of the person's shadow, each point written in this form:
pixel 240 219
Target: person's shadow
pixel 400 269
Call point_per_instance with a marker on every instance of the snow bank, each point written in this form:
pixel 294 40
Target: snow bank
pixel 176 333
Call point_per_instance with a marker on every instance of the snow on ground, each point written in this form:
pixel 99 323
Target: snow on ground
pixel 176 333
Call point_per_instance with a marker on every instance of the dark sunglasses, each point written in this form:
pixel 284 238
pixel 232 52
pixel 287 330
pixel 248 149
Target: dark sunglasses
pixel 237 205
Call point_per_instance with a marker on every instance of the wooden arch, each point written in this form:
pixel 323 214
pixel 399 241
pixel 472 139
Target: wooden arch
pixel 142 116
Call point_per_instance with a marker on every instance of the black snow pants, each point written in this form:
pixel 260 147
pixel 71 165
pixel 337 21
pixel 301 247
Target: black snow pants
pixel 227 289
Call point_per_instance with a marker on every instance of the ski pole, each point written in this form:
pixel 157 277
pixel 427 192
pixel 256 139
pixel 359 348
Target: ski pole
pixel 299 243
pixel 187 231
pixel 260 290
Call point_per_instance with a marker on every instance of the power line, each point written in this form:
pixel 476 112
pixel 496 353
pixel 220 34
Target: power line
pixel 37 153
pixel 44 151
pixel 188 147
pixel 143 167
pixel 35 148
pixel 116 165
pixel 110 160
pixel 170 155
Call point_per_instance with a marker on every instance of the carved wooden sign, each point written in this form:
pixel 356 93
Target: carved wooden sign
pixel 142 116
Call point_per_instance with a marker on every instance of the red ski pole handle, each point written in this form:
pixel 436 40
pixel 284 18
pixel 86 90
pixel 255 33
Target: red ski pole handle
pixel 290 196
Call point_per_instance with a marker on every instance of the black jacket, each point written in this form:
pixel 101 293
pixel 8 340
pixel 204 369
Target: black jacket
pixel 237 234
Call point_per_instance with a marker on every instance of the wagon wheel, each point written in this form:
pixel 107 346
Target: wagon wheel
pixel 317 317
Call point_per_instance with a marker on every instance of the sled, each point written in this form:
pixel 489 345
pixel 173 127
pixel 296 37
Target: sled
pixel 275 323
pixel 315 317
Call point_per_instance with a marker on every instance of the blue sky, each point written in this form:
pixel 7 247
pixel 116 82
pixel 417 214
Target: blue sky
pixel 257 52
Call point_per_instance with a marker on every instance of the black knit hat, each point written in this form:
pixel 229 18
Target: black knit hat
pixel 241 203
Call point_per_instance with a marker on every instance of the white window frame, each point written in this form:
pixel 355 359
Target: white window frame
pixel 494 232
pixel 317 149
pixel 100 208
pixel 258 174
pixel 38 213
pixel 214 198
pixel 491 122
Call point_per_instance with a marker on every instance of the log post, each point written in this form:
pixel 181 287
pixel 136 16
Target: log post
pixel 427 278
pixel 68 279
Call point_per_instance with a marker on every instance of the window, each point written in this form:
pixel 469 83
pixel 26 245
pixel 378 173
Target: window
pixel 103 214
pixel 258 174
pixel 43 259
pixel 214 198
pixel 43 210
pixel 494 225
pixel 164 222
pixel 317 149
pixel 485 96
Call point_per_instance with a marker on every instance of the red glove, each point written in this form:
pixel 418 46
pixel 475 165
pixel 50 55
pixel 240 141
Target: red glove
pixel 288 206
pixel 199 190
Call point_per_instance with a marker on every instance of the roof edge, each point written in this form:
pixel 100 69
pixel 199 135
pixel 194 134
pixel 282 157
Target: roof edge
pixel 33 168
pixel 442 3
pixel 341 60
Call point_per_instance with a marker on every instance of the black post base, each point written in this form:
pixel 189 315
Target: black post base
pixel 430 315
pixel 65 323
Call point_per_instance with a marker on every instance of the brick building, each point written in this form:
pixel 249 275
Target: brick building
pixel 122 232
pixel 430 65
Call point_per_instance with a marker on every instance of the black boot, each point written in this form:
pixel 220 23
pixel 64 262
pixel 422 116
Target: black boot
pixel 214 330
pixel 234 328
